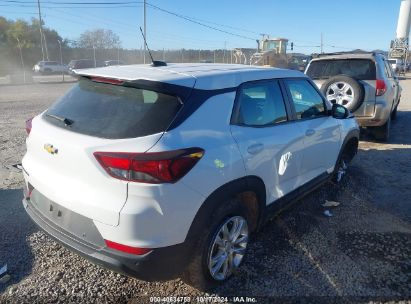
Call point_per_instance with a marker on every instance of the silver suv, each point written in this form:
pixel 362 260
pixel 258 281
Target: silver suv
pixel 363 83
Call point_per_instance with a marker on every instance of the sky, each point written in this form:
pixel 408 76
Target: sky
pixel 344 24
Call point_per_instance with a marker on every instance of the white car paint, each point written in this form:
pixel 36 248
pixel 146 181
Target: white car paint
pixel 159 215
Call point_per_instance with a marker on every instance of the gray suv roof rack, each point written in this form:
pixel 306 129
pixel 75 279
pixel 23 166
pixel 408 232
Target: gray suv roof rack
pixel 347 53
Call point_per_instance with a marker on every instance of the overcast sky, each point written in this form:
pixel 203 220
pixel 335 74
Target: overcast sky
pixel 345 24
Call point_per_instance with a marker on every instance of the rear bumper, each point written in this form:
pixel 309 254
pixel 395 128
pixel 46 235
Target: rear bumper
pixel 381 114
pixel 159 264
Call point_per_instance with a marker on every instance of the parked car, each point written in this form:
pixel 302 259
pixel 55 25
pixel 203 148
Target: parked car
pixel 83 64
pixel 364 83
pixel 164 172
pixel 49 67
pixel 397 65
pixel 113 62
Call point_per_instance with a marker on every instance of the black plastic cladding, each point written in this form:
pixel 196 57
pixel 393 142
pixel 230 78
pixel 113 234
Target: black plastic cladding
pixel 191 98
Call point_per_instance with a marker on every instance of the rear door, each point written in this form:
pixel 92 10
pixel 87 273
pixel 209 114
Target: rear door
pixel 93 117
pixel 271 145
pixel 321 131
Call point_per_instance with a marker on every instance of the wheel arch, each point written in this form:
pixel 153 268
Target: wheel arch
pixel 350 144
pixel 250 190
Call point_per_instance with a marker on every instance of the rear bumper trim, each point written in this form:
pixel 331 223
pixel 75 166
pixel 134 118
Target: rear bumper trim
pixel 160 264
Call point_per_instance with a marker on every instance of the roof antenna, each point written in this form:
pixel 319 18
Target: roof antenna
pixel 154 63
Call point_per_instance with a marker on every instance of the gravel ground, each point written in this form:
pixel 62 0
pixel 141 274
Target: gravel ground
pixel 360 254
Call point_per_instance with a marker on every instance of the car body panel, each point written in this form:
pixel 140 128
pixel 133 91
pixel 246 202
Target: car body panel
pixel 72 176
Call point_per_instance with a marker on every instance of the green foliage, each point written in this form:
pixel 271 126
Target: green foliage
pixel 100 39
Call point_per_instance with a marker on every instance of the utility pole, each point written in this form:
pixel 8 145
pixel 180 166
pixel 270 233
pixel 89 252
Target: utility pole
pixel 145 31
pixel 322 44
pixel 45 46
pixel 41 29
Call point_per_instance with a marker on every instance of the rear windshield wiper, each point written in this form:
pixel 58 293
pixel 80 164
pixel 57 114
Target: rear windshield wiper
pixel 64 120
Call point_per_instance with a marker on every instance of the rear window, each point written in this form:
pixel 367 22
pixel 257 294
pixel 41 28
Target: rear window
pixel 113 111
pixel 361 69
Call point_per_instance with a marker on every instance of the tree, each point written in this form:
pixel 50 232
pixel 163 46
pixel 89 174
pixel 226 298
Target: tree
pixel 100 39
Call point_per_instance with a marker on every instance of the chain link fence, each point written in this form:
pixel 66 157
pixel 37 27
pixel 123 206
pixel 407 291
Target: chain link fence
pixel 16 64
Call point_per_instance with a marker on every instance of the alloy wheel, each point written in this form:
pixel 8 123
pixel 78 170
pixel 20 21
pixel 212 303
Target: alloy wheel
pixel 341 93
pixel 228 248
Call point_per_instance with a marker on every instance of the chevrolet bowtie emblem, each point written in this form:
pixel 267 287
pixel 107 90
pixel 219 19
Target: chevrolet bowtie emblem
pixel 50 149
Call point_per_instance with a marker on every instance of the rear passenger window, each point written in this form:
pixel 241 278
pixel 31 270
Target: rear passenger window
pixel 261 104
pixel 308 103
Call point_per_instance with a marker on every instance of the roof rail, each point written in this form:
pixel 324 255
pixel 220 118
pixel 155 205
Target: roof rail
pixel 347 53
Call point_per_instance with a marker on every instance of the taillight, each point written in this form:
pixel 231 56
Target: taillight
pixel 380 87
pixel 127 249
pixel 28 125
pixel 153 168
pixel 107 80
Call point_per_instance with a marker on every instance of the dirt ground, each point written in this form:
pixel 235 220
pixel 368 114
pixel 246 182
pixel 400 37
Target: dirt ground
pixel 360 254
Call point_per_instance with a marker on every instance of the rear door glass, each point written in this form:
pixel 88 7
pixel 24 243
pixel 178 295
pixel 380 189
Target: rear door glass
pixel 361 69
pixel 307 101
pixel 261 104
pixel 113 111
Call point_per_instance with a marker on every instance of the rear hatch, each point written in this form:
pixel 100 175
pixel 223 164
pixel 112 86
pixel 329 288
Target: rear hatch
pixel 93 116
pixel 363 70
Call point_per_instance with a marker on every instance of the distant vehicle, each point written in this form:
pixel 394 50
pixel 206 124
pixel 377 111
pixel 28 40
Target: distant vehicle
pixel 363 83
pixel 49 67
pixel 397 64
pixel 298 62
pixel 83 64
pixel 114 62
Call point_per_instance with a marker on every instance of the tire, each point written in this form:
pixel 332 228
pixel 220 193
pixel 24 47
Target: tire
pixel 382 133
pixel 197 273
pixel 344 90
pixel 341 167
pixel 394 113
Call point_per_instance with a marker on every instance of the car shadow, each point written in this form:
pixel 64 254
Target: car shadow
pixel 360 253
pixel 15 228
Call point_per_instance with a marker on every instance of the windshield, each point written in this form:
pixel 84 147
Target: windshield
pixel 113 111
pixel 362 69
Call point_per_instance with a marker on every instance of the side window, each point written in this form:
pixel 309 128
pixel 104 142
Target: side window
pixel 308 103
pixel 261 104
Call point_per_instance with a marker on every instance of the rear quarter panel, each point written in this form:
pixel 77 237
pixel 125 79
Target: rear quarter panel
pixel 175 205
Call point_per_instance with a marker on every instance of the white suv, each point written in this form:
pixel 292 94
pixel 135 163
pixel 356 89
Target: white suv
pixel 49 67
pixel 160 172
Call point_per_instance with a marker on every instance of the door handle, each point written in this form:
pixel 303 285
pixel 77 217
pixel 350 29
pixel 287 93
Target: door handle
pixel 310 132
pixel 255 149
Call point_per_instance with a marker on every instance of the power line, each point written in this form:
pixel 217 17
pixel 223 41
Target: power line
pixel 70 7
pixel 124 3
pixel 71 3
pixel 197 22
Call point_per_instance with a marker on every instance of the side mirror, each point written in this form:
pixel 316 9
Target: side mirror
pixel 339 111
